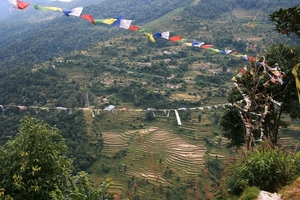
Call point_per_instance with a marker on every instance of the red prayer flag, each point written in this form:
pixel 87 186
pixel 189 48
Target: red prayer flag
pixel 88 17
pixel 175 38
pixel 134 28
pixel 206 46
pixel 252 59
pixel 22 5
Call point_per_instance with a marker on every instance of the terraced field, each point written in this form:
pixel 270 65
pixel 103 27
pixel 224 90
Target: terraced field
pixel 154 156
pixel 149 157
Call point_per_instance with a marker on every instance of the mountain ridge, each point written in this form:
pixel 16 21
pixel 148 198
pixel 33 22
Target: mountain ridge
pixel 27 40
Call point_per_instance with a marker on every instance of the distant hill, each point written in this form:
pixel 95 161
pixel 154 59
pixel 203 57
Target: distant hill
pixel 25 39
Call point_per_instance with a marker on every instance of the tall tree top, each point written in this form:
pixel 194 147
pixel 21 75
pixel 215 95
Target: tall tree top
pixel 287 21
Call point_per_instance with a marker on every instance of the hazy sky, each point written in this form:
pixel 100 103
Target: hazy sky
pixel 4 6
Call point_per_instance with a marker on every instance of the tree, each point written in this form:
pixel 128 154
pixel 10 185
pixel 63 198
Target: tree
pixel 81 188
pixel 34 164
pixel 288 58
pixel 287 21
pixel 186 115
pixel 232 127
pixel 262 94
pixel 256 113
pixel 199 118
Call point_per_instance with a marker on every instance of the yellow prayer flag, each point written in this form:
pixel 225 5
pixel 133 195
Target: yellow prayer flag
pixel 188 44
pixel 150 36
pixel 297 79
pixel 109 21
pixel 54 8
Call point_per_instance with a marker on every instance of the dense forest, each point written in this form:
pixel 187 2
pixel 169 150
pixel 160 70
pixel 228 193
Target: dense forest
pixel 39 88
pixel 82 148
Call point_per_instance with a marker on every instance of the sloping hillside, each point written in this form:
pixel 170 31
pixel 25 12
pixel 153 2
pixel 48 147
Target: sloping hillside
pixel 32 40
pixel 27 40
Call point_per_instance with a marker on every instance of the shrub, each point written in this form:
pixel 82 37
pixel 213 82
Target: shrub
pixel 267 168
pixel 250 193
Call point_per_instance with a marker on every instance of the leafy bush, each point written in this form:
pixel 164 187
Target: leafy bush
pixel 250 193
pixel 267 168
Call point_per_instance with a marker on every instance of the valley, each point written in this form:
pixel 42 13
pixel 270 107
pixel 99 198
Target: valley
pixel 147 154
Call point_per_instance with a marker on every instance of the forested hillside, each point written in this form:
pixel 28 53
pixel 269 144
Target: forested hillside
pixel 26 39
pixel 60 35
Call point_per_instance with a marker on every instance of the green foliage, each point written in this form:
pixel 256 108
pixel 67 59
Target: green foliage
pixel 23 86
pixel 289 57
pixel 287 21
pixel 250 193
pixel 218 79
pixel 232 127
pixel 208 11
pixel 185 115
pixel 81 188
pixel 73 127
pixel 215 168
pixel 141 97
pixel 257 86
pixel 266 168
pixel 156 69
pixel 34 164
pixel 199 118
